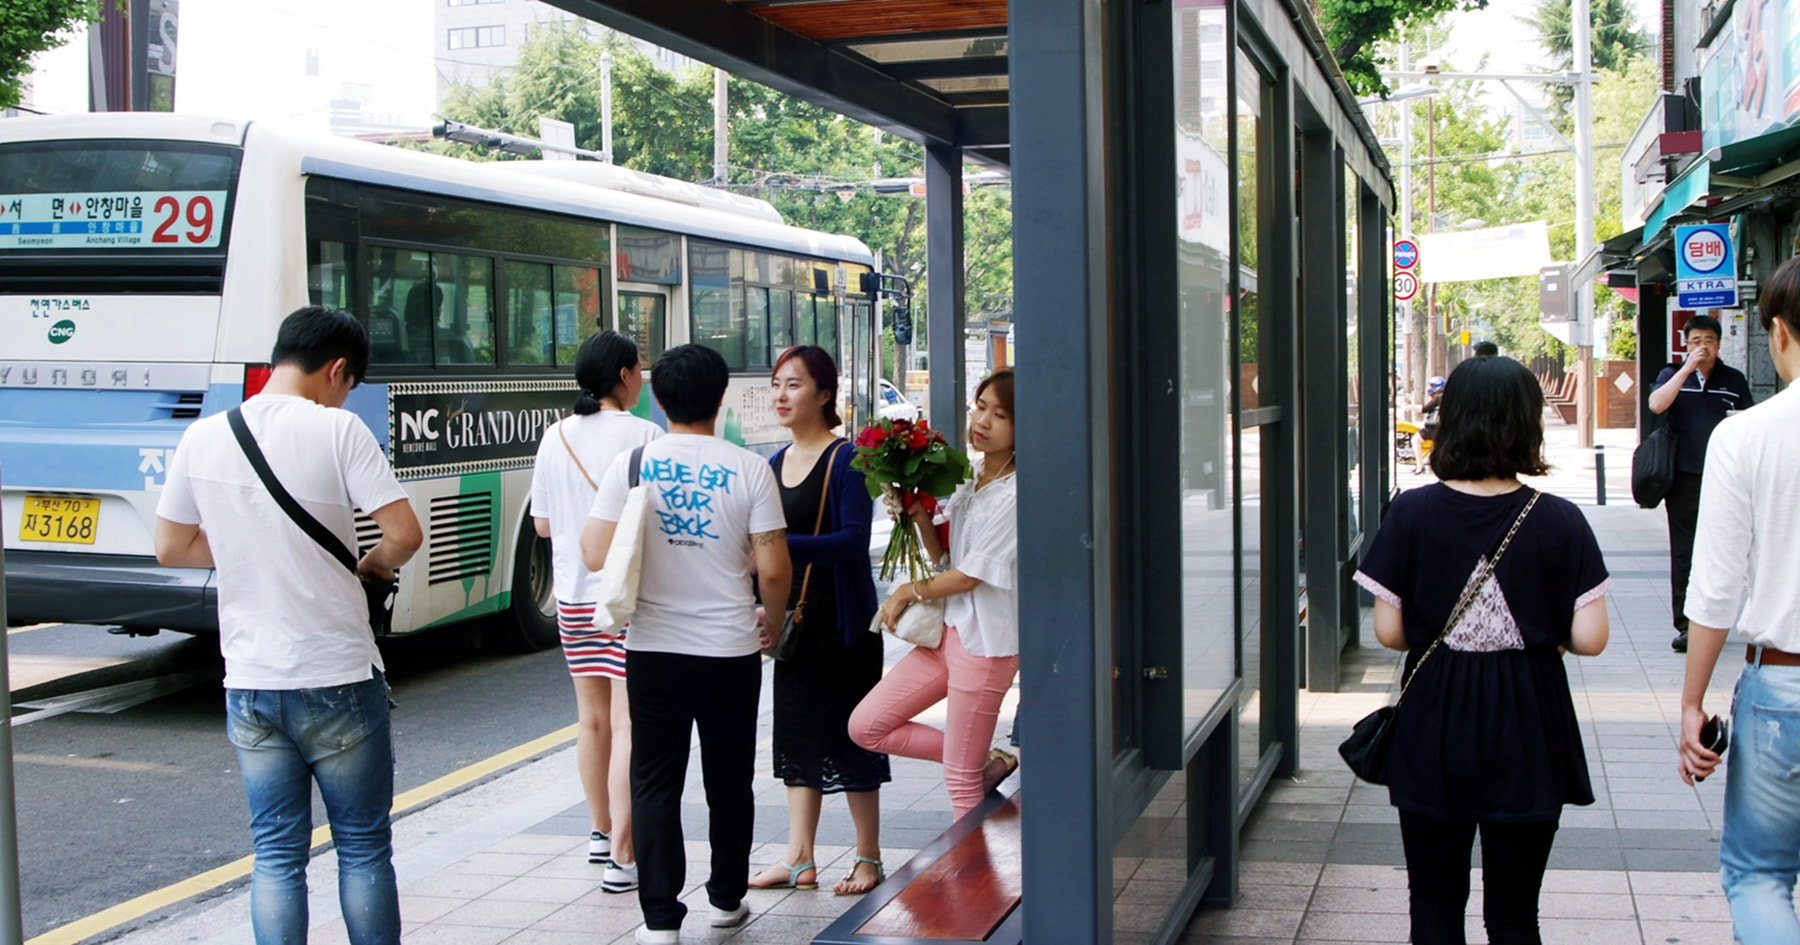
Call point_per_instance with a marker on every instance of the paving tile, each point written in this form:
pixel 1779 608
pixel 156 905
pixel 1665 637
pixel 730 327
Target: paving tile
pixel 439 933
pixel 452 884
pixel 1356 927
pixel 1589 931
pixel 1372 877
pixel 1574 905
pixel 550 937
pixel 504 913
pixel 501 864
pixel 1586 881
pixel 422 909
pixel 538 843
pixel 1255 872
pixel 1388 900
pixel 545 889
pixel 1687 933
pixel 593 919
pixel 1249 922
pixel 1668 907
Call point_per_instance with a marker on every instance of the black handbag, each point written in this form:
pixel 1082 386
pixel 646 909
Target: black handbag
pixel 1366 750
pixel 378 594
pixel 1653 465
pixel 789 641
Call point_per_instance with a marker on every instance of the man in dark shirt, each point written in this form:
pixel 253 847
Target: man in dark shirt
pixel 1696 394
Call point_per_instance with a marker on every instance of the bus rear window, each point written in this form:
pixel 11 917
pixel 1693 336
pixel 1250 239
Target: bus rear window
pixel 115 195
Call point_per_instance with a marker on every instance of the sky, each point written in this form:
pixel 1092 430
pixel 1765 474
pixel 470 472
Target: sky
pixel 246 58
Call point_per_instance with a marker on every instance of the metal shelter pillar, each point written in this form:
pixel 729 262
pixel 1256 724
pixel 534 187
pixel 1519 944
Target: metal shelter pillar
pixel 1057 52
pixel 947 307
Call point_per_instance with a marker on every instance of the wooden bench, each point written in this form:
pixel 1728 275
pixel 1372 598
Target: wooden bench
pixel 1563 401
pixel 962 889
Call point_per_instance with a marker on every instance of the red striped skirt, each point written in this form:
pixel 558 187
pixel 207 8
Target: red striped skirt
pixel 590 652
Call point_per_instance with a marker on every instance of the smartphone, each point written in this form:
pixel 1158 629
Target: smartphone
pixel 1716 736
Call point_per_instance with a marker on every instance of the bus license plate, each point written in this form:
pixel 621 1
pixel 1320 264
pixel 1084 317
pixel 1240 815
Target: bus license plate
pixel 68 519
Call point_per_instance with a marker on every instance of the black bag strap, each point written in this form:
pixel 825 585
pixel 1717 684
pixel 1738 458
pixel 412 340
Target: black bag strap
pixel 313 528
pixel 637 459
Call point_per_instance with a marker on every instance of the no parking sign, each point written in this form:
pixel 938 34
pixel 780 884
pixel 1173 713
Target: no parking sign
pixel 1705 267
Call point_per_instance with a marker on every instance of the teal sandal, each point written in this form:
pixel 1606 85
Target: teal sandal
pixel 793 880
pixel 880 877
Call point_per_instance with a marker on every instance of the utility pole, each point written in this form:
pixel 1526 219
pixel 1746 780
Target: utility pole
pixel 1581 25
pixel 1439 358
pixel 721 125
pixel 1408 328
pixel 606 64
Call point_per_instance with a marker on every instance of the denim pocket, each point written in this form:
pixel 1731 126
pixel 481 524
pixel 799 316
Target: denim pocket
pixel 1776 732
pixel 243 725
pixel 338 716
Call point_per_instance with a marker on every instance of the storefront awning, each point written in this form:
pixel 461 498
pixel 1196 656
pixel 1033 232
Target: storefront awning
pixel 1752 156
pixel 1682 193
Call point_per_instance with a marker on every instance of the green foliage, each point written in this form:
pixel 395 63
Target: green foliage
pixel 29 27
pixel 1355 28
pixel 1614 40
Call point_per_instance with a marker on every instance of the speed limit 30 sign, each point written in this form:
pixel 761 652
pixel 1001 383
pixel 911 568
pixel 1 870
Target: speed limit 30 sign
pixel 1406 285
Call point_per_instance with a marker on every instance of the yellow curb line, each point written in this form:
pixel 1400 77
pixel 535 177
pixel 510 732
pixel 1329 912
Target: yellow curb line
pixel 14 631
pixel 107 919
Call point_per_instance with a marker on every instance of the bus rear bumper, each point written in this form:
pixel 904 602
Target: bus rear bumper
pixel 114 590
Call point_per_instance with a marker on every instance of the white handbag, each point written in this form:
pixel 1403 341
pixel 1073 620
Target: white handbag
pixel 921 624
pixel 618 594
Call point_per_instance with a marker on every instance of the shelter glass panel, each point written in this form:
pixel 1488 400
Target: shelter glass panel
pixel 1208 588
pixel 1352 377
pixel 1251 92
pixel 1151 862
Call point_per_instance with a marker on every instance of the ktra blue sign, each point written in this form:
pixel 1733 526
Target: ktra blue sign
pixel 1705 267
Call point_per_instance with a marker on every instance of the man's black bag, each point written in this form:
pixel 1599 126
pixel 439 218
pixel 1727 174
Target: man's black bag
pixel 1653 466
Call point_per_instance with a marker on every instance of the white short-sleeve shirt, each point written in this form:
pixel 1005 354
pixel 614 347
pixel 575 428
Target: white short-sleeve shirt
pixel 707 497
pixel 560 493
pixel 291 616
pixel 984 544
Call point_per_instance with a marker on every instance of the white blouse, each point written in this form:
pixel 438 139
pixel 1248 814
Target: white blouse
pixel 984 544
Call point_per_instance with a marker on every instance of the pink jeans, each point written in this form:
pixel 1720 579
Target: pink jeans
pixel 975 685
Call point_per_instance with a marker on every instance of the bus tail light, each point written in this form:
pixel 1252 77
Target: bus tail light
pixel 256 376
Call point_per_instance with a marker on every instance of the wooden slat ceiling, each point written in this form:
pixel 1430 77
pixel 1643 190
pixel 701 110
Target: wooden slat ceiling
pixel 827 20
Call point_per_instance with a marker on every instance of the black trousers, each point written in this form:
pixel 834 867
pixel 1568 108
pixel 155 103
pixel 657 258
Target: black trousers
pixel 1682 505
pixel 1513 857
pixel 671 694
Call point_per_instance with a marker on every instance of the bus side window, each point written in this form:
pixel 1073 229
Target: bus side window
pixel 641 316
pixel 825 327
pixel 400 305
pixel 463 297
pixel 781 320
pixel 577 310
pixel 528 313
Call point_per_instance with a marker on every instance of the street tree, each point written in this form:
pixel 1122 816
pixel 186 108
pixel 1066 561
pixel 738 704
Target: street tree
pixel 29 27
pixel 1359 32
pixel 1614 38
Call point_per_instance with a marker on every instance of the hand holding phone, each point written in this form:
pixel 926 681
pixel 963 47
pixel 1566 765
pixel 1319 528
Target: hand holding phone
pixel 1716 736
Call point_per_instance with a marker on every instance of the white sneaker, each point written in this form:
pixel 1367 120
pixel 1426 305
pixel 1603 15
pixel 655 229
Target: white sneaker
pixel 729 918
pixel 649 936
pixel 599 847
pixel 619 877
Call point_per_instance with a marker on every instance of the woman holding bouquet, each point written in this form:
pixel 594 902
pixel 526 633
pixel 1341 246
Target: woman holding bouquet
pixel 837 661
pixel 975 665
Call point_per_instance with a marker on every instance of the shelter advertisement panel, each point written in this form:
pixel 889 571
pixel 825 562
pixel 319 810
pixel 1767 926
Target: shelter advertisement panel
pixel 1750 82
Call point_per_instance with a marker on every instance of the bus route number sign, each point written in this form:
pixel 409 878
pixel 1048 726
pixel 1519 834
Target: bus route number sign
pixel 175 219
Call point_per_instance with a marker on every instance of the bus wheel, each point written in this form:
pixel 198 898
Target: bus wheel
pixel 530 623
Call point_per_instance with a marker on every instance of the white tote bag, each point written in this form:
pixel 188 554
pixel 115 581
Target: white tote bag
pixel 618 594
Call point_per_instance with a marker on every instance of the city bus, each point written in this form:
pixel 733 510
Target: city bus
pixel 146 261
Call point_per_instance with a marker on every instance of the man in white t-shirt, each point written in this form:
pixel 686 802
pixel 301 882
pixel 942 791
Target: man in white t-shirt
pixel 693 654
pixel 305 697
pixel 1746 553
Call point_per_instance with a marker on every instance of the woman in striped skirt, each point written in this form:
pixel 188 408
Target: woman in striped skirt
pixel 572 453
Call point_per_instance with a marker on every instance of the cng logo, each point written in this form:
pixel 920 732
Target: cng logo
pixel 62 331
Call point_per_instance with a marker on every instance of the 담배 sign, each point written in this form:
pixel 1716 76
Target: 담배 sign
pixel 1705 267
pixel 1406 254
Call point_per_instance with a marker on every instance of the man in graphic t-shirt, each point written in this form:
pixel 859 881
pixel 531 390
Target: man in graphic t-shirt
pixel 693 655
pixel 305 699
pixel 1696 394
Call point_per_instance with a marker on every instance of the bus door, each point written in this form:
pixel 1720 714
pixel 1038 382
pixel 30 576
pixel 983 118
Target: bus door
pixel 861 367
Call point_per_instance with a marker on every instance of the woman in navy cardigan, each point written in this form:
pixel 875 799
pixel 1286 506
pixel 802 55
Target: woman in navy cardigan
pixel 838 661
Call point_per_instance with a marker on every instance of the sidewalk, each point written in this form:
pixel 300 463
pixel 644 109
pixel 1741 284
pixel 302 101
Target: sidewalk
pixel 1323 861
pixel 504 862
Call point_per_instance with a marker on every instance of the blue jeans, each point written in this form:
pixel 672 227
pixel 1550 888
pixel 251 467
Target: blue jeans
pixel 338 736
pixel 1759 850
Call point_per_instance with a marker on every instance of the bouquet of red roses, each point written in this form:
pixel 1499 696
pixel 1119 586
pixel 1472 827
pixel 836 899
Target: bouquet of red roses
pixel 904 461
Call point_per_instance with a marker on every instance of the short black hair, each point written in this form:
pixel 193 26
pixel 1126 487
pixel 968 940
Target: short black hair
pixel 689 382
pixel 1491 424
pixel 598 365
pixel 1703 323
pixel 1780 297
pixel 315 336
pixel 1486 349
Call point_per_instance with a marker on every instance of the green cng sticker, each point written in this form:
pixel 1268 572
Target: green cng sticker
pixel 62 331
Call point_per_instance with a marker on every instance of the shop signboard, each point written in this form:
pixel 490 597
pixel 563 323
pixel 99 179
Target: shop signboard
pixel 1705 267
pixel 1750 82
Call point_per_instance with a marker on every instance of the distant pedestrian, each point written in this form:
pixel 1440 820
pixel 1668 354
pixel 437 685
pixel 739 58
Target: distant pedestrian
pixel 1486 349
pixel 1486 735
pixel 1696 394
pixel 572 454
pixel 974 667
pixel 693 653
pixel 1746 557
pixel 837 660
pixel 305 697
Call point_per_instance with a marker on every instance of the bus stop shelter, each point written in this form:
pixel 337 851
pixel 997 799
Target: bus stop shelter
pixel 1204 392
